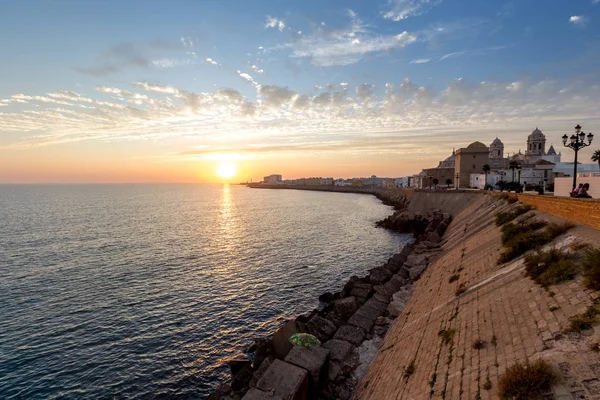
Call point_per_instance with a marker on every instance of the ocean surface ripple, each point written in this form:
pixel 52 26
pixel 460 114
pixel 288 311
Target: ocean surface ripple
pixel 141 291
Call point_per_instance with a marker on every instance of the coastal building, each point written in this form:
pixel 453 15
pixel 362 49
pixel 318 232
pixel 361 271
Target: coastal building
pixel 470 160
pixel 443 171
pixel 273 180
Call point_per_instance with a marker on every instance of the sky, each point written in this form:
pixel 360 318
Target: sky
pixel 155 91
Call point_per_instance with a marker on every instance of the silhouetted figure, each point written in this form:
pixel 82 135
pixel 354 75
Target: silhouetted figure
pixel 583 192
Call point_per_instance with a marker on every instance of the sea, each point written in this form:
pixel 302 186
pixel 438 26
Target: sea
pixel 143 291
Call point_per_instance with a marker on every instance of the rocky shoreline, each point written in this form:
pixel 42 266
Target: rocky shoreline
pixel 351 324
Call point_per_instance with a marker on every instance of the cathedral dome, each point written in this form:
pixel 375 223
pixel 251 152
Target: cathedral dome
pixel 497 143
pixel 536 134
pixel 476 145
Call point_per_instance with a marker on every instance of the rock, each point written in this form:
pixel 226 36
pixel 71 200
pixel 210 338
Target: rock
pixel 237 362
pixel 327 297
pixel 264 349
pixel 376 306
pixel 223 390
pixel 335 318
pixel 381 297
pixel 434 238
pixel 344 394
pixel 339 350
pixel 361 290
pixel 395 308
pixel 346 307
pixel 314 360
pixel 306 317
pixel 349 286
pixel 417 271
pixel 379 276
pixel 350 334
pixel 281 343
pixel 366 353
pixel 251 348
pixel 383 321
pixel 285 380
pixel 242 379
pixel 256 394
pixel 404 272
pixel 260 371
pixel 380 330
pixel 333 370
pixel 363 322
pixel 321 328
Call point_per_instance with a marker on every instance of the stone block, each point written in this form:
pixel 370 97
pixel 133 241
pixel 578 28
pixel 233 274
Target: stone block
pixel 417 271
pixel 379 275
pixel 377 306
pixel 280 341
pixel 256 394
pixel 351 334
pixel 395 308
pixel 346 307
pixel 363 322
pixel 339 350
pixel 321 327
pixel 285 380
pixel 314 360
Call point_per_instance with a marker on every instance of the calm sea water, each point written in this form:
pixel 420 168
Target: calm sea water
pixel 141 291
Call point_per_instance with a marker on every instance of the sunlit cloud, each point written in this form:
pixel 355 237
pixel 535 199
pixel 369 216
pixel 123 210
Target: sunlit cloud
pixel 578 20
pixel 275 23
pixel 420 61
pixel 402 9
pixel 211 61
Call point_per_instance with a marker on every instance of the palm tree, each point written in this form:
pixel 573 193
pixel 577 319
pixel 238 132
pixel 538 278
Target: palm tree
pixel 513 165
pixel 596 157
pixel 448 182
pixel 486 168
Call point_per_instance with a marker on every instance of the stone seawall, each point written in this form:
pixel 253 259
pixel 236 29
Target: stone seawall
pixel 470 318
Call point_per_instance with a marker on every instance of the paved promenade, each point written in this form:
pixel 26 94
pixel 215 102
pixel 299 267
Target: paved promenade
pixel 513 317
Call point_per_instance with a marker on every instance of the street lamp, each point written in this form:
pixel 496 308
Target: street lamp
pixel 577 142
pixel 430 180
pixel 457 181
pixel 519 166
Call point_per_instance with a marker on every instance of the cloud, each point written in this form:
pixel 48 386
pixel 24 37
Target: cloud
pixel 247 78
pixel 420 61
pixel 578 20
pixel 349 120
pixel 256 69
pixel 211 61
pixel 402 9
pixel 331 46
pixel 275 23
pixel 128 55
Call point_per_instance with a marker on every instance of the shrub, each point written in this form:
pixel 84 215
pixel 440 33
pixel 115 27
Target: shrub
pixel 454 278
pixel 511 231
pixel 526 380
pixel 550 267
pixel 504 217
pixel 555 230
pixel 447 335
pixel 584 321
pixel 591 267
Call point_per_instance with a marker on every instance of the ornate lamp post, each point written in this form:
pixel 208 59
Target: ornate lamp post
pixel 577 141
pixel 430 177
pixel 457 180
pixel 519 166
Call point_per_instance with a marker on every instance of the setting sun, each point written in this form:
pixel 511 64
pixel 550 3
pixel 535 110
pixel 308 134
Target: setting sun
pixel 226 170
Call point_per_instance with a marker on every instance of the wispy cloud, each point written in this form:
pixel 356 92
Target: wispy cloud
pixel 274 23
pixel 420 61
pixel 578 20
pixel 211 61
pixel 330 46
pixel 402 9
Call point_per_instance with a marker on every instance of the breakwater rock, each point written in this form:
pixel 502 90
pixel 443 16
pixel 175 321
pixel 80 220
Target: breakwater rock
pixel 429 226
pixel 350 324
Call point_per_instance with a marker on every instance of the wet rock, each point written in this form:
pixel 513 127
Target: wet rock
pixel 242 378
pixel 377 307
pixel 366 352
pixel 304 318
pixel 222 391
pixel 327 297
pixel 285 380
pixel 382 321
pixel 321 328
pixel 264 349
pixel 346 307
pixel 237 362
pixel 261 370
pixel 362 321
pixel 256 394
pixel 349 286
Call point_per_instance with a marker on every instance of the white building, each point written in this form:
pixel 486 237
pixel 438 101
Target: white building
pixel 273 180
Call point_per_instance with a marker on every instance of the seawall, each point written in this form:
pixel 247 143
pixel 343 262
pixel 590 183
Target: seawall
pixel 470 318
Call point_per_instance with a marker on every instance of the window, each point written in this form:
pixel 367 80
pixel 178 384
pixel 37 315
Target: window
pixel 473 166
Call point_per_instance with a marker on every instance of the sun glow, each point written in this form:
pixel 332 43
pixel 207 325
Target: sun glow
pixel 226 170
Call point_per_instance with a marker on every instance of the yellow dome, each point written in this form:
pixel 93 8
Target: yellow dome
pixel 476 145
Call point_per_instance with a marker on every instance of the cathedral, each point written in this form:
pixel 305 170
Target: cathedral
pixel 535 153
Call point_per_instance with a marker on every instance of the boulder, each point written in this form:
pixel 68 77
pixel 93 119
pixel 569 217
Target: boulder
pixel 321 327
pixel 242 379
pixel 281 343
pixel 256 394
pixel 222 391
pixel 314 360
pixel 362 321
pixel 327 297
pixel 434 238
pixel 417 271
pixel 285 380
pixel 383 321
pixel 237 362
pixel 264 349
pixel 346 307
pixel 260 371
pixel 339 350
pixel 395 308
pixel 351 334
pixel 379 275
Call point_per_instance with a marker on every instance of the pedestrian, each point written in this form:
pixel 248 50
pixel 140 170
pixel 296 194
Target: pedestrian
pixel 577 190
pixel 583 193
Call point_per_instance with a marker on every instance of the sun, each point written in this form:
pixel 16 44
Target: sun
pixel 226 170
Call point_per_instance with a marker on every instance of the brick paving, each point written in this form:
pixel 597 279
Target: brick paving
pixel 501 307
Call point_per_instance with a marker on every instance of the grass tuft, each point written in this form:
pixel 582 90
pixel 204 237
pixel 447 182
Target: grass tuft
pixel 591 268
pixel 585 320
pixel 447 335
pixel 410 369
pixel 550 267
pixel 453 278
pixel 504 217
pixel 526 380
